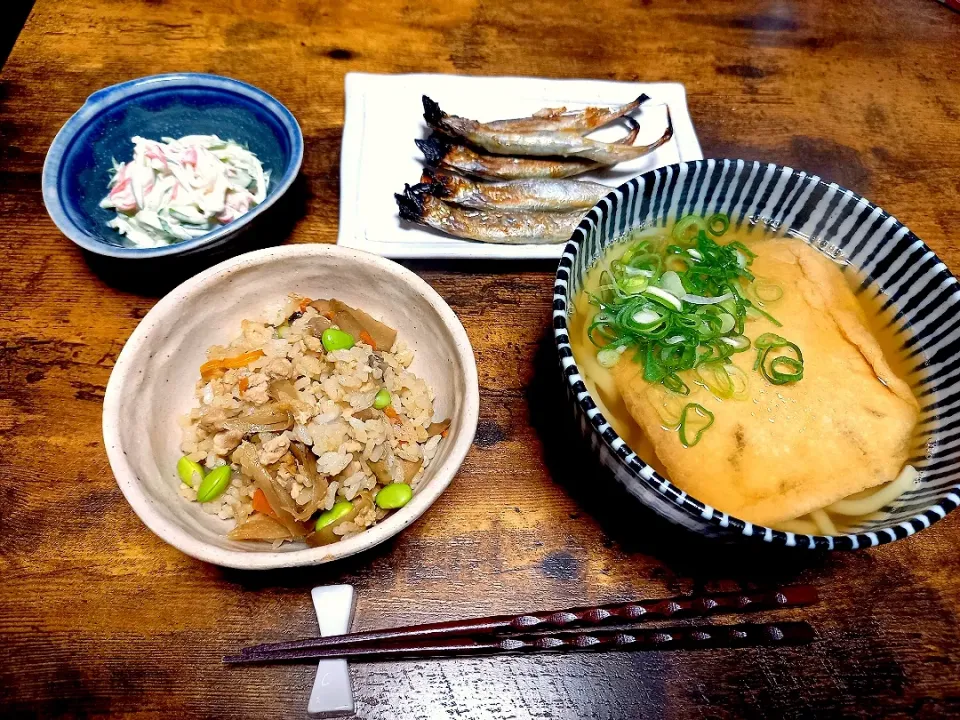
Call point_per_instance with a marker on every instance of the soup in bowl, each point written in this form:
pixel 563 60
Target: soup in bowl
pixel 755 352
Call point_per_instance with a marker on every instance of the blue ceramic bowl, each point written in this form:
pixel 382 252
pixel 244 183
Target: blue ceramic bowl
pixel 917 285
pixel 77 168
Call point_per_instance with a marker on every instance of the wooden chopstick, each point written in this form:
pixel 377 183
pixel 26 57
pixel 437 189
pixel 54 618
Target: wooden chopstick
pixel 677 638
pixel 621 613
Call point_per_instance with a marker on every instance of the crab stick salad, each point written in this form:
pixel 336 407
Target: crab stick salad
pixel 175 190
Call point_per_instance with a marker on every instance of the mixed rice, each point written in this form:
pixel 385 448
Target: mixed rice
pixel 304 428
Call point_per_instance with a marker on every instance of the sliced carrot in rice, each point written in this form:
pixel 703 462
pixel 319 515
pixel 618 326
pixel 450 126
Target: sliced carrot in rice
pixel 392 414
pixel 261 504
pixel 215 368
pixel 365 337
pixel 244 384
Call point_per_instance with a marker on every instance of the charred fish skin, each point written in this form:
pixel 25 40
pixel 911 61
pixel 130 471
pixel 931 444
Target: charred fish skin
pixel 525 195
pixel 487 226
pixel 538 143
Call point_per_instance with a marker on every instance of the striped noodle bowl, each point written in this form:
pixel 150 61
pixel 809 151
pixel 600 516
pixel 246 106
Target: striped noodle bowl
pixel 921 294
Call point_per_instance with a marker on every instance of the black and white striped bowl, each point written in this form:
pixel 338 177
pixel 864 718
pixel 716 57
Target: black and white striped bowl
pixel 921 290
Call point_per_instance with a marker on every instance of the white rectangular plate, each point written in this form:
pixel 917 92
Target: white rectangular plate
pixel 384 115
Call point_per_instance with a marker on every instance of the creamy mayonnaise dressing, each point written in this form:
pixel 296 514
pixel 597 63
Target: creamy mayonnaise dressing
pixel 175 190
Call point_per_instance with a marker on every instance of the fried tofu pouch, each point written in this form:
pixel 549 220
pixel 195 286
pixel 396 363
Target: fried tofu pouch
pixel 788 449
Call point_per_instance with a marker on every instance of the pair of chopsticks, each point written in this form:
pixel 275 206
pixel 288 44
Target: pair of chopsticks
pixel 562 630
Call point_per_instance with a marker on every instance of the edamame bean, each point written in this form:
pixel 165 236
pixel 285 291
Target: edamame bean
pixel 394 495
pixel 382 399
pixel 335 339
pixel 214 484
pixel 190 472
pixel 333 514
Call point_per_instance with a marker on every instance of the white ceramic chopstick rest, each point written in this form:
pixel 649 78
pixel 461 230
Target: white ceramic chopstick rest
pixel 332 695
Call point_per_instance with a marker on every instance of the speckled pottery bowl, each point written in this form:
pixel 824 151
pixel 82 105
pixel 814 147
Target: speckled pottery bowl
pixel 920 289
pixel 77 167
pixel 152 385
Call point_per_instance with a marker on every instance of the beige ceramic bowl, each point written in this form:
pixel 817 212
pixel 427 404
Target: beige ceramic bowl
pixel 153 384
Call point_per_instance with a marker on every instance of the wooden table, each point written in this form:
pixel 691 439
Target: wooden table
pixel 98 617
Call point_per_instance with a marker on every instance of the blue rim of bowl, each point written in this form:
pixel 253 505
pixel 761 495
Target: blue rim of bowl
pixel 110 95
pixel 727 525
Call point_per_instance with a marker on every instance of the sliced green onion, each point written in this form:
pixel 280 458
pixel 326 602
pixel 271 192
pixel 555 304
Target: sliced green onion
pixel 646 317
pixel 737 245
pixel 670 282
pixel 739 343
pixel 718 224
pixel 740 382
pixel 700 300
pixel 608 357
pixel 635 285
pixel 687 229
pixel 603 330
pixel 682 302
pixel 632 271
pixel 730 304
pixel 781 369
pixel 778 377
pixel 674 384
pixel 670 408
pixel 665 298
pixel 766 291
pixel 715 378
pixel 701 420
pixel 769 340
pixel 754 310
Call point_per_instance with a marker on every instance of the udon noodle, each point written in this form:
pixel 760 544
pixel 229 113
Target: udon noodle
pixel 746 370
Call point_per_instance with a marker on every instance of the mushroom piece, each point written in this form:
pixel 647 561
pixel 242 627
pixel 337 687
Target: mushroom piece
pixel 270 418
pixel 308 463
pixel 438 428
pixel 382 468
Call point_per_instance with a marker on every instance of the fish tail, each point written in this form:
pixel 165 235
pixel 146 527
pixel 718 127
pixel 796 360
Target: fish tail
pixel 432 112
pixel 410 204
pixel 642 99
pixel 433 149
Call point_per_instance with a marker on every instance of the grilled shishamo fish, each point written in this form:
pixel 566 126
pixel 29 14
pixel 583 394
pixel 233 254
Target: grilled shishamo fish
pixel 530 194
pixel 443 153
pixel 440 153
pixel 537 142
pixel 490 226
pixel 586 120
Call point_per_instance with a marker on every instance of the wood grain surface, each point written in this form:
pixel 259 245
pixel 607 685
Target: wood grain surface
pixel 99 618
